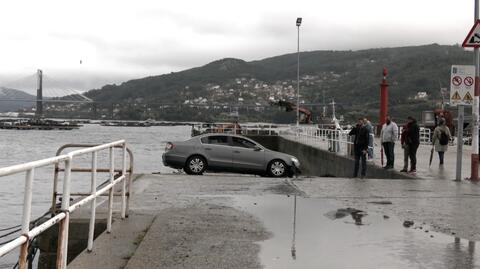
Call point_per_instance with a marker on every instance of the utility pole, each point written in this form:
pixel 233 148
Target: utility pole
pixel 475 108
pixel 39 110
pixel 299 22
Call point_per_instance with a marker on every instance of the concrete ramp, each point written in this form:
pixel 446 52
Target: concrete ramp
pixel 201 237
pixel 223 221
pixel 112 251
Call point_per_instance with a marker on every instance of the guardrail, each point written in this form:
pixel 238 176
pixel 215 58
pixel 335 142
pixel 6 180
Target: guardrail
pixel 244 129
pixel 425 135
pixel 62 216
pixel 338 140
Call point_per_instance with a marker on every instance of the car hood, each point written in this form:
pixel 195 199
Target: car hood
pixel 280 154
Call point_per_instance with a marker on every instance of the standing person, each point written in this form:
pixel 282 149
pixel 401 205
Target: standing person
pixel 360 146
pixel 388 136
pixel 403 140
pixel 441 137
pixel 413 141
pixel 369 127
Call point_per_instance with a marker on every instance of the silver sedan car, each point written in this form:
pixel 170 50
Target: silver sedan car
pixel 228 153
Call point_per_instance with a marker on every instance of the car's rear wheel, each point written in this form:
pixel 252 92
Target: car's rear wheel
pixel 277 168
pixel 195 165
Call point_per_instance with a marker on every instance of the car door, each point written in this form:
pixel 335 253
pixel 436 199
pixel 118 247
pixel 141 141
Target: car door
pixel 247 155
pixel 218 151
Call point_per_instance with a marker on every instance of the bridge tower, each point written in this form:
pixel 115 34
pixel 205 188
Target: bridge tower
pixel 39 110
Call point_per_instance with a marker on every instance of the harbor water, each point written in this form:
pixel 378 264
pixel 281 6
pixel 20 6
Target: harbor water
pixel 20 146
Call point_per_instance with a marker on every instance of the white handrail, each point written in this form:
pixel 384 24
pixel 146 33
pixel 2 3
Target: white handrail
pixel 63 216
pixel 14 169
pixel 338 140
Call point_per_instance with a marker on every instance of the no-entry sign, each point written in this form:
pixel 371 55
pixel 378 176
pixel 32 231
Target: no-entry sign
pixel 462 85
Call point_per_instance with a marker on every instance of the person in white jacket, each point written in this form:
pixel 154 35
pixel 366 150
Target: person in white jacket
pixel 388 136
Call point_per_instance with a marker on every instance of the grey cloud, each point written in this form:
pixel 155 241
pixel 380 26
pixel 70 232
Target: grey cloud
pixel 198 24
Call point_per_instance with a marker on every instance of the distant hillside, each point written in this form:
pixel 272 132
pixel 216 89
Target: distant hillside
pixel 17 98
pixel 350 77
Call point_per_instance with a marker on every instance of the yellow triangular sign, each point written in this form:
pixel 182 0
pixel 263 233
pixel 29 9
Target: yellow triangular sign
pixel 456 96
pixel 468 97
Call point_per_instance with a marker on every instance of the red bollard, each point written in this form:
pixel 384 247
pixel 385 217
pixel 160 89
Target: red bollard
pixel 474 168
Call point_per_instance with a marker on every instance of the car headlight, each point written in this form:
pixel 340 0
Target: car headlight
pixel 295 162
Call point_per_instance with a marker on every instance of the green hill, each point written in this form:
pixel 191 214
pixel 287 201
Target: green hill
pixel 350 77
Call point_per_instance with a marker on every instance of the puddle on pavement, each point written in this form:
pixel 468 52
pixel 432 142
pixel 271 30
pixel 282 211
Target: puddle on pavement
pixel 316 233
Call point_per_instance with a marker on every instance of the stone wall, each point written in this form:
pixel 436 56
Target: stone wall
pixel 318 162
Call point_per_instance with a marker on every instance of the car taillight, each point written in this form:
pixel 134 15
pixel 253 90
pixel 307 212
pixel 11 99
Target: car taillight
pixel 169 146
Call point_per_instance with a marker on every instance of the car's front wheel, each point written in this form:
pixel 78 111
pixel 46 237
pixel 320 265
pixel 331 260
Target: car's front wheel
pixel 277 168
pixel 195 165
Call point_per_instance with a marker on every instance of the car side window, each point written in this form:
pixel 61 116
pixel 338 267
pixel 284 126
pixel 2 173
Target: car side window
pixel 216 140
pixel 240 142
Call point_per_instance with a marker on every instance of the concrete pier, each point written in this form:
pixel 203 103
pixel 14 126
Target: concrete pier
pixel 235 221
pixel 180 221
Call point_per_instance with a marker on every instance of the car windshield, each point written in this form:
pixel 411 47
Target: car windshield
pixel 240 142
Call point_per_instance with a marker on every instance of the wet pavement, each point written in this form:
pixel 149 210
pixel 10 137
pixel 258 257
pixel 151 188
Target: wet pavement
pixel 435 170
pixel 234 221
pixel 448 206
pixel 315 233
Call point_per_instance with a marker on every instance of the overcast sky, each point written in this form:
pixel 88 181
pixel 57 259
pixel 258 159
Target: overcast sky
pixel 120 40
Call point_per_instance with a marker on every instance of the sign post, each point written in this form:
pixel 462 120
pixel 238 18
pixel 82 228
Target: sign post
pixel 462 85
pixel 473 40
pixel 458 176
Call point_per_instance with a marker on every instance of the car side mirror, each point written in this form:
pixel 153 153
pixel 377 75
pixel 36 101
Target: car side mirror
pixel 257 148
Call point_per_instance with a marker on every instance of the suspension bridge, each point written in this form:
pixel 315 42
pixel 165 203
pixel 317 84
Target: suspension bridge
pixel 39 88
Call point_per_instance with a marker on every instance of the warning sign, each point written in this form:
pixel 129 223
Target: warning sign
pixel 456 97
pixel 473 38
pixel 468 98
pixel 468 81
pixel 462 83
pixel 457 81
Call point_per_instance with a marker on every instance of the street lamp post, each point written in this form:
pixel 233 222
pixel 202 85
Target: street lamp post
pixel 299 22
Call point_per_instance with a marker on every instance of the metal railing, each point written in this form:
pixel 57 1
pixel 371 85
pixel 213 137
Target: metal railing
pixel 244 129
pixel 62 216
pixel 337 141
pixel 425 135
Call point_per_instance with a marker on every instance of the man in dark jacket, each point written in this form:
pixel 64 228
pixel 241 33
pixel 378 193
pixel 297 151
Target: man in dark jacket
pixel 360 145
pixel 413 141
pixel 403 140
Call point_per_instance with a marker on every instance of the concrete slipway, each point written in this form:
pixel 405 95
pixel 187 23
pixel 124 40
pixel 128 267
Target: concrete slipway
pixel 231 221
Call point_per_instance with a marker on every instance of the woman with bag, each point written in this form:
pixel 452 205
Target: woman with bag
pixel 441 138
